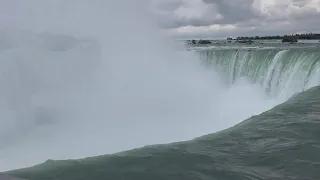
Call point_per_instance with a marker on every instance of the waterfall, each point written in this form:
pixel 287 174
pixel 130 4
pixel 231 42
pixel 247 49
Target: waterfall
pixel 281 73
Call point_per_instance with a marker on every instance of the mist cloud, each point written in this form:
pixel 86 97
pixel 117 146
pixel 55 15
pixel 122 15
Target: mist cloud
pixel 134 90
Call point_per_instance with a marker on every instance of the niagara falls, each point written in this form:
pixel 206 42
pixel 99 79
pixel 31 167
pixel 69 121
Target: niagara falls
pixel 159 89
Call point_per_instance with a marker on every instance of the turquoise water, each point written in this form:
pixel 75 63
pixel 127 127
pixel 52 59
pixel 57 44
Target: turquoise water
pixel 282 143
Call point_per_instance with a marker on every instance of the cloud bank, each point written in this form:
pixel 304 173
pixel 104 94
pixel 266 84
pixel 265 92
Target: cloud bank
pixel 182 18
pixel 221 18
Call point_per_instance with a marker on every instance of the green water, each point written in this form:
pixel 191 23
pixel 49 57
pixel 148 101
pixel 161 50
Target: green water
pixel 282 143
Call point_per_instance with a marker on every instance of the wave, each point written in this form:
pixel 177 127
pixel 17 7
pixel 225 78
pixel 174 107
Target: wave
pixel 281 73
pixel 281 143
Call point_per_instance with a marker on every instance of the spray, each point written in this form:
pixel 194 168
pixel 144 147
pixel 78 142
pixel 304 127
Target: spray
pixel 86 78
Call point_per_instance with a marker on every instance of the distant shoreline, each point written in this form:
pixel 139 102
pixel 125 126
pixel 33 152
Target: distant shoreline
pixel 307 36
pixel 248 40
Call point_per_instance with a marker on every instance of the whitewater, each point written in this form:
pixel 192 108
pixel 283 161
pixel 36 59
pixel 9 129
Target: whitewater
pixel 111 81
pixel 279 71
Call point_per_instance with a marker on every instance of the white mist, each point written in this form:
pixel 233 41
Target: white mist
pixel 123 88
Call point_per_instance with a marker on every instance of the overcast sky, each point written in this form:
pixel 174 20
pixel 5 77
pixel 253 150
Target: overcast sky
pixel 222 18
pixel 182 18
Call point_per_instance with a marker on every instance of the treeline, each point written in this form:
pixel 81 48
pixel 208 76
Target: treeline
pixel 309 36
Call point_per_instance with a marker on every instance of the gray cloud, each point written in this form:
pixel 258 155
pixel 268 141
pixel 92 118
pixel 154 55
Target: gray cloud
pixel 299 3
pixel 209 12
pixel 247 16
pixel 177 13
pixel 235 11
